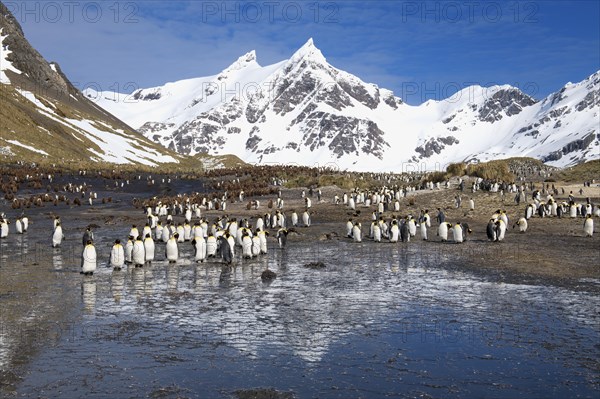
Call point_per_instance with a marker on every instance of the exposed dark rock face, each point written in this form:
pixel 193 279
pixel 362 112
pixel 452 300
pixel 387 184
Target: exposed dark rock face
pixel 435 146
pixel 504 102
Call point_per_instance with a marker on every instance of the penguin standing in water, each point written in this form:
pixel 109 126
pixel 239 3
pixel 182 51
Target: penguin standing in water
pixel 149 249
pixel 171 249
pixel 246 245
pixel 129 250
pixel 457 233
pixel 262 236
pixel 88 235
pixel 500 230
pixel 134 232
pixel 423 228
pixel 211 246
pixel 225 250
pixel 356 233
pixel 88 259
pixel 57 236
pixel 282 237
pixel 349 226
pixel 412 227
pixel 466 230
pixel 25 223
pixel 306 218
pixel 376 232
pixel 117 255
pixel 491 230
pixel 522 223
pixel 256 244
pixel 200 248
pixel 443 231
pixel 394 231
pixel 19 226
pixel 139 254
pixel 4 228
pixel 588 226
pixel 404 231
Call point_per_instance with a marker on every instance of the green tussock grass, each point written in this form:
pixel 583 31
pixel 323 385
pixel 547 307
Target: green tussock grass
pixel 583 172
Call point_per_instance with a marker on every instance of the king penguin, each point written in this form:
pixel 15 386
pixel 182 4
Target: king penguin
pixel 172 252
pixel 57 236
pixel 199 248
pixel 522 223
pixel 88 259
pixel 149 249
pixel 588 226
pixel 117 255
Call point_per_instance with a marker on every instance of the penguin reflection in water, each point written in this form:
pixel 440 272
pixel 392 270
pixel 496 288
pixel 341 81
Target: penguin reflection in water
pixel 88 259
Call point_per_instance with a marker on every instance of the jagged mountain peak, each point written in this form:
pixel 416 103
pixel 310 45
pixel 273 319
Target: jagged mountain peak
pixel 306 111
pixel 308 51
pixel 248 59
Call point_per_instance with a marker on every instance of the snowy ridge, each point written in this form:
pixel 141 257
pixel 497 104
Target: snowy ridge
pixel 5 64
pixel 305 111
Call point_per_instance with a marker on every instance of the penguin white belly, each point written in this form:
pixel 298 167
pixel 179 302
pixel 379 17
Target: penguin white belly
pixel 139 254
pixel 88 264
pixel 149 249
pixel 247 247
pixel 443 232
pixel 263 243
pixel 423 231
pixel 394 233
pixel 255 246
pixel 172 252
pixel 588 227
pixel 376 233
pixel 356 234
pixel 57 236
pixel 573 211
pixel 306 219
pixel 200 248
pixel 117 256
pixel 412 228
pixel 457 233
pixel 211 246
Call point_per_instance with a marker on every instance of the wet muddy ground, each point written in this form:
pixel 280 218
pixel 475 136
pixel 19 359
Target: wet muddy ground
pixel 419 319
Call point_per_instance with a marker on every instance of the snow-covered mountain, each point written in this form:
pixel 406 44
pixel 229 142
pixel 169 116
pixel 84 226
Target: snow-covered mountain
pixel 43 117
pixel 305 111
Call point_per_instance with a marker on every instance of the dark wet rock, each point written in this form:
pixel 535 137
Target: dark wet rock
pixel 268 275
pixel 328 236
pixel 591 100
pixel 315 265
pixel 435 146
pixel 510 102
pixel 139 95
pixel 262 393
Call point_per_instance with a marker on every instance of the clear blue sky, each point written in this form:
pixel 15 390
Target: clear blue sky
pixel 419 49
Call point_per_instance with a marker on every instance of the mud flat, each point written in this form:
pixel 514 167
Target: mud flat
pixel 431 319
